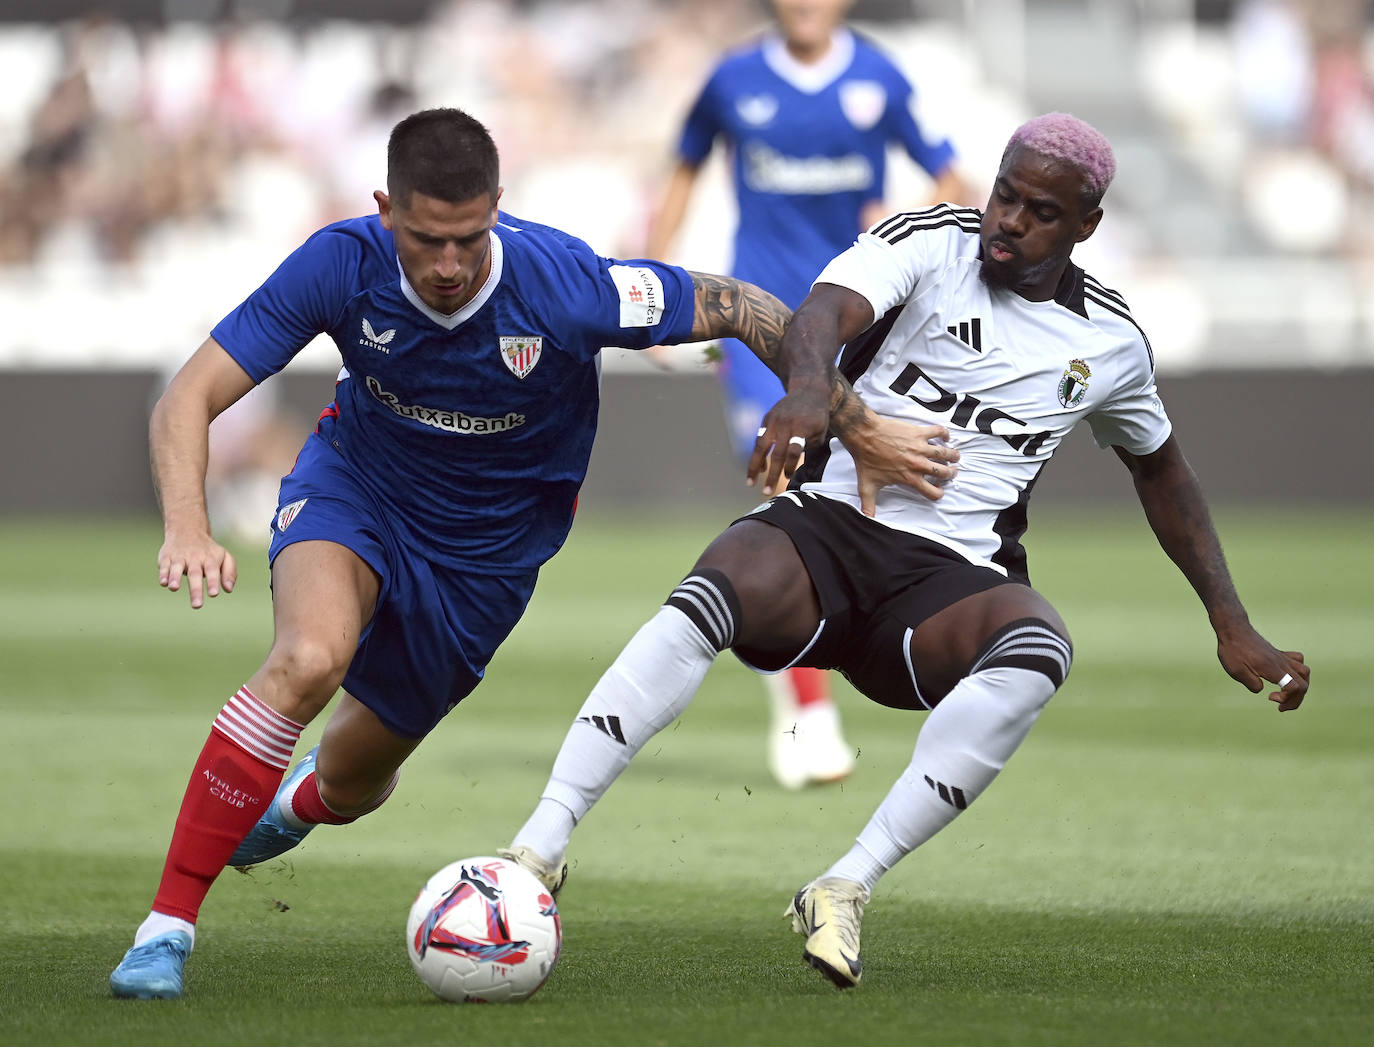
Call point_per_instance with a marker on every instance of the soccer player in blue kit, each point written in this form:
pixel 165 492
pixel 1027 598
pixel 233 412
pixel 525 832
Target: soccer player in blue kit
pixel 808 113
pixel 410 532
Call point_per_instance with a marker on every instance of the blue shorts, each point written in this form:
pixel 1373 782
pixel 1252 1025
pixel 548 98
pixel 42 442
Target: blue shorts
pixel 749 389
pixel 435 627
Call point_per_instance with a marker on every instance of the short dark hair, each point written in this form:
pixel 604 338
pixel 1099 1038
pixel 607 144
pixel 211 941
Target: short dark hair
pixel 443 153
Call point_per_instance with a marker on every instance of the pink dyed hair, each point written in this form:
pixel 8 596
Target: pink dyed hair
pixel 1071 141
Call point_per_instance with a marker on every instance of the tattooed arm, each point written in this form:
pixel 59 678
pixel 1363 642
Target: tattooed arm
pixel 817 396
pixel 730 308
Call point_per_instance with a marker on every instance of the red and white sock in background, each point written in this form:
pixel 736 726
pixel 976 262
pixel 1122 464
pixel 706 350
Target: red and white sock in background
pixel 809 686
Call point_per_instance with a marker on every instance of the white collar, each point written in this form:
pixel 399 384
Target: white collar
pixel 449 321
pixel 814 78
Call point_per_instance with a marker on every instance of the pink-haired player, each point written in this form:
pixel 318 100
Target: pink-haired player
pixel 982 324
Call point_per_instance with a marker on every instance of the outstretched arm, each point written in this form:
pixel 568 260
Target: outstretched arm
pixel 1173 502
pixel 818 398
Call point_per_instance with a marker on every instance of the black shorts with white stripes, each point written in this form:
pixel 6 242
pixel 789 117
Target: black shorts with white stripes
pixel 875 584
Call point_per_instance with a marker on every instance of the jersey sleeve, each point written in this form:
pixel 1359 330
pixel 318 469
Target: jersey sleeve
pixel 883 272
pixel 934 155
pixel 642 303
pixel 293 305
pixel 702 124
pixel 1134 418
pixel 628 304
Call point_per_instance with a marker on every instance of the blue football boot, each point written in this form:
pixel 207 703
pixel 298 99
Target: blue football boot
pixel 274 835
pixel 152 971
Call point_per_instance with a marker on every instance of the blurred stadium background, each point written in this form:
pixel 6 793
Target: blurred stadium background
pixel 158 157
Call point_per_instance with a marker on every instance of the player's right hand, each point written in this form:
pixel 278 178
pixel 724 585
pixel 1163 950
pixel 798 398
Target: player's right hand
pixel 207 566
pixel 788 427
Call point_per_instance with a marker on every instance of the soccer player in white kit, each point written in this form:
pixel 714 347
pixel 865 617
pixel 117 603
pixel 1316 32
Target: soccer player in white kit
pixel 982 324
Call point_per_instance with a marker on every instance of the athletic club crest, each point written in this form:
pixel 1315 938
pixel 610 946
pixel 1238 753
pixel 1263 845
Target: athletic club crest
pixel 289 513
pixel 863 102
pixel 1074 385
pixel 521 352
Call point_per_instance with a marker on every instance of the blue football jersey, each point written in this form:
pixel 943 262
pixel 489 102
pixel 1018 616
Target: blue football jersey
pixel 472 430
pixel 809 150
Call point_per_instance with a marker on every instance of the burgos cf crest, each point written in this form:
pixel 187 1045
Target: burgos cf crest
pixel 521 352
pixel 1074 385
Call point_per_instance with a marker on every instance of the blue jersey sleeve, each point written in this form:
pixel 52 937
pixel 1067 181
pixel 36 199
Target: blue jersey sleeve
pixel 297 302
pixel 642 302
pixel 588 301
pixel 933 157
pixel 702 125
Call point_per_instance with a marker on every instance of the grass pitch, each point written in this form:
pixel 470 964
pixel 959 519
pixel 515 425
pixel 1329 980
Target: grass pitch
pixel 1168 859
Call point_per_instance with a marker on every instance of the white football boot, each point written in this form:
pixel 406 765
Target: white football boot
pixel 829 911
pixel 550 875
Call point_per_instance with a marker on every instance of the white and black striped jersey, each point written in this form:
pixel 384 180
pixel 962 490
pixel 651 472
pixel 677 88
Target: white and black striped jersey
pixel 1007 376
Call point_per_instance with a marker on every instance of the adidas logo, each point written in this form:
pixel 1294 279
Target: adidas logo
pixel 608 725
pixel 970 332
pixel 952 796
pixel 374 339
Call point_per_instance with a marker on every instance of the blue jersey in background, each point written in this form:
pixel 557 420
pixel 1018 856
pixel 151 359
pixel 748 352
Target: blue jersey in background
pixel 809 147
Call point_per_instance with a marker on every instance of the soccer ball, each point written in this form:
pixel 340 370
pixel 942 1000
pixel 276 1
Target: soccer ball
pixel 484 929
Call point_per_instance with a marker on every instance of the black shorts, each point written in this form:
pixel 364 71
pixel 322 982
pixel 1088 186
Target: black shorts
pixel 875 584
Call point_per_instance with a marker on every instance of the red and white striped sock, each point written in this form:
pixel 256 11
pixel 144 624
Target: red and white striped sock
pixel 308 806
pixel 238 771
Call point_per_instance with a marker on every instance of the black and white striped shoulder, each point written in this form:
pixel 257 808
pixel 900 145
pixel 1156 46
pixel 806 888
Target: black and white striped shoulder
pixel 898 227
pixel 1101 299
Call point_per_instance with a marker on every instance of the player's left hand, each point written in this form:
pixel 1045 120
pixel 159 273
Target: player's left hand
pixel 1251 660
pixel 887 451
pixel 801 416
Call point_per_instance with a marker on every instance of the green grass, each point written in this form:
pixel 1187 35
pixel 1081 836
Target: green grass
pixel 1167 860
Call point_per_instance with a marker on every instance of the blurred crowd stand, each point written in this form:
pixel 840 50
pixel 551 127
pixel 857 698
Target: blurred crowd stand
pixel 153 170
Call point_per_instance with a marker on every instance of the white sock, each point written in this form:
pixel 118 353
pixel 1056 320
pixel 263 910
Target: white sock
pixel 550 826
pixel 860 866
pixel 964 743
pixel 160 923
pixel 645 689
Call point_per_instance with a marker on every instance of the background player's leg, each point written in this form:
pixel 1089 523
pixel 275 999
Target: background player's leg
pixel 806 744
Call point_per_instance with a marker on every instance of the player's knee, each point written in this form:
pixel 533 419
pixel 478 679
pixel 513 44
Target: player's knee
pixel 773 602
pixel 1032 644
pixel 707 597
pixel 307 672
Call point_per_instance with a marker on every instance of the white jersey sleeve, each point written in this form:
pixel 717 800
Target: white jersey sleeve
pixel 1133 418
pixel 1135 422
pixel 884 273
